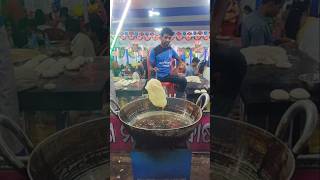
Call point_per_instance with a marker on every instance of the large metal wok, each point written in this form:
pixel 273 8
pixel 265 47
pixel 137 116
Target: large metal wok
pixel 182 107
pixel 80 152
pixel 240 151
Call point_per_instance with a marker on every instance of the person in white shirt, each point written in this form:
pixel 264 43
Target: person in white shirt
pixel 81 44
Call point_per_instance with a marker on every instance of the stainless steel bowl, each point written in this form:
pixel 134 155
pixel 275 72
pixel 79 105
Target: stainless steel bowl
pixel 240 151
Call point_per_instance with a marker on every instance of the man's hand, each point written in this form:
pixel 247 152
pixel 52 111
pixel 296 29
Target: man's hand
pixel 286 40
pixel 288 43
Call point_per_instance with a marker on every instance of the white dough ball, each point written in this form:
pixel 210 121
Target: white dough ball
pixel 279 94
pixel 299 93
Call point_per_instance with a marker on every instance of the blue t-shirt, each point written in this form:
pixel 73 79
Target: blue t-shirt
pixel 256 30
pixel 190 71
pixel 161 58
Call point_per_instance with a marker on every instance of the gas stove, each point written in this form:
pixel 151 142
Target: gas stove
pixel 159 145
pixel 161 160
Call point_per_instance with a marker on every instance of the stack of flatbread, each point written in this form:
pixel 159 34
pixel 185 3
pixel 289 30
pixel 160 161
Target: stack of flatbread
pixel 268 55
pixel 195 79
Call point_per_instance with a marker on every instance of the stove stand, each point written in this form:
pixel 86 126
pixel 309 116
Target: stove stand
pixel 156 161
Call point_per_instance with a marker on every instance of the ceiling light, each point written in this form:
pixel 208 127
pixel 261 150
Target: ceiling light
pixel 123 17
pixel 153 13
pixel 158 29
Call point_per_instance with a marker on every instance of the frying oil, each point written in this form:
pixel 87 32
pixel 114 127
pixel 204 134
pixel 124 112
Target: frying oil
pixel 161 120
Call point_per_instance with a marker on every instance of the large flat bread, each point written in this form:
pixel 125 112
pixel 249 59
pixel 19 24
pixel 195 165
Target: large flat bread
pixel 45 65
pixel 195 79
pixel 56 69
pixel 76 63
pixel 267 55
pixel 156 93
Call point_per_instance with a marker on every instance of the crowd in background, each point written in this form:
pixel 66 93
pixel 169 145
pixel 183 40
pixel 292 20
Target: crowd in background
pixel 33 29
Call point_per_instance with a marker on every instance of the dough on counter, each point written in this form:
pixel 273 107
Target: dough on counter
pixel 195 79
pixel 31 64
pixel 267 55
pixel 40 57
pixel 76 63
pixel 279 94
pixel 73 66
pixel 52 73
pixel 45 65
pixel 80 60
pixel 156 92
pixel 56 69
pixel 64 61
pixel 50 86
pixel 89 60
pixel 286 65
pixel 203 91
pixel 299 93
pixel 136 76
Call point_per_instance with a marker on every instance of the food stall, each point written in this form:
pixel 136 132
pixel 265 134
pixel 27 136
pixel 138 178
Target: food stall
pixel 171 149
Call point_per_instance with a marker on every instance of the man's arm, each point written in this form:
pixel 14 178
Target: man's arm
pixel 286 42
pixel 176 56
pixel 152 58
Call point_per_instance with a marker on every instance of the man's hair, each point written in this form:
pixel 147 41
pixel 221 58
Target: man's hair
pixel 195 60
pixel 274 1
pixel 166 30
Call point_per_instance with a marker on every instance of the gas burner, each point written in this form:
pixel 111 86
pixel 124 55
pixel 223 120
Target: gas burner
pixel 140 146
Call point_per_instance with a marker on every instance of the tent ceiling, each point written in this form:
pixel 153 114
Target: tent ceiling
pixel 177 14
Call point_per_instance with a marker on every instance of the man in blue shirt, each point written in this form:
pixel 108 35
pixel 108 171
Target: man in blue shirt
pixel 257 27
pixel 161 59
